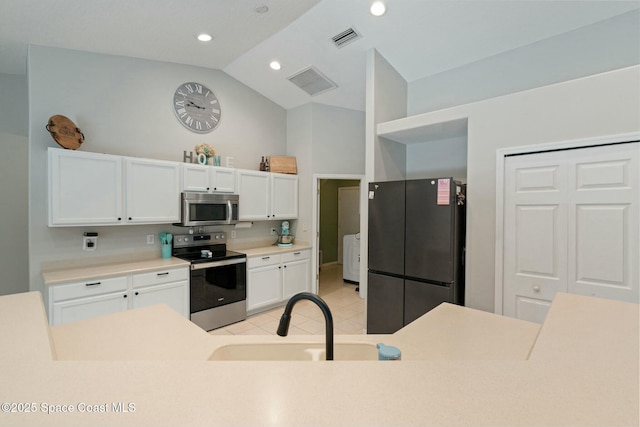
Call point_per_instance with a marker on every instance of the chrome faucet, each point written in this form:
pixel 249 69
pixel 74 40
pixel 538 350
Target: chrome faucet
pixel 283 328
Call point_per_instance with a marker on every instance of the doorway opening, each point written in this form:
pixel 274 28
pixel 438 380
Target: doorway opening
pixel 336 215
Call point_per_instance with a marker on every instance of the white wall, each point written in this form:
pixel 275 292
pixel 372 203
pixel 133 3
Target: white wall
pixel 440 158
pixel 325 140
pixel 386 100
pixel 14 188
pixel 299 145
pixel 124 106
pixel 565 57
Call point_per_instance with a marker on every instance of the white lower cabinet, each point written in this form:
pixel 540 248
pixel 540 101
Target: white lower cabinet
pixel 70 302
pixel 169 287
pixel 273 279
pixel 264 279
pixel 295 274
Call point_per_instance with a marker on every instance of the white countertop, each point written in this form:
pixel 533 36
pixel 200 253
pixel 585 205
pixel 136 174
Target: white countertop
pixel 99 270
pixel 105 268
pixel 274 249
pixel 583 371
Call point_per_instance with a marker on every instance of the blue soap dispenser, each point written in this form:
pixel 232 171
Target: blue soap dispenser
pixel 388 352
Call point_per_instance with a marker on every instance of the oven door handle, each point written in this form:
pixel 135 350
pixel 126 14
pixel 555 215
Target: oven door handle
pixel 221 263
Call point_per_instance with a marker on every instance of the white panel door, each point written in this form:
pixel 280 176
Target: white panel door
pixel 603 212
pixel 571 225
pixel 535 260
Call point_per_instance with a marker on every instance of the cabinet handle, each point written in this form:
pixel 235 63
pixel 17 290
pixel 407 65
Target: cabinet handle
pixel 285 266
pixel 279 267
pixel 92 284
pixel 536 288
pixel 129 218
pixel 296 253
pixel 137 293
pixel 266 257
pixel 124 296
pixel 119 218
pixel 163 274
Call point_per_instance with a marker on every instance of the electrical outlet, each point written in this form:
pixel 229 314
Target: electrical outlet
pixel 273 231
pixel 151 239
pixel 89 243
pixel 233 234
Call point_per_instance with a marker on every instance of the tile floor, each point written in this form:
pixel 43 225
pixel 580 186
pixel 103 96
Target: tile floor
pixel 347 309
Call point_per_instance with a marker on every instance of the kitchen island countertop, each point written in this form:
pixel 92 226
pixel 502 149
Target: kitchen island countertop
pixel 588 387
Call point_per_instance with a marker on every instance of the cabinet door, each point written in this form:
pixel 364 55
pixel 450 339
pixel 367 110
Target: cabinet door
pixel 153 191
pixel 284 196
pixel 223 180
pixel 84 188
pixel 175 295
pixel 264 286
pixel 86 308
pixel 253 189
pixel 195 177
pixel 295 278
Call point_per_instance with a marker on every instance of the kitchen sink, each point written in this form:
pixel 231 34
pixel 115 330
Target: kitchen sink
pixel 294 351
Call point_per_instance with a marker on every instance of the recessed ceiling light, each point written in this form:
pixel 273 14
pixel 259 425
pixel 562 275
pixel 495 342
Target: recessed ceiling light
pixel 275 65
pixel 263 8
pixel 204 37
pixel 378 8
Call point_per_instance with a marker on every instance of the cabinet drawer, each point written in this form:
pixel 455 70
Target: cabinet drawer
pixel 88 288
pixel 160 276
pixel 295 256
pixel 261 261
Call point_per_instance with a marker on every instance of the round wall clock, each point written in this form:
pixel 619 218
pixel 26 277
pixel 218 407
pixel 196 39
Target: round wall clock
pixel 196 107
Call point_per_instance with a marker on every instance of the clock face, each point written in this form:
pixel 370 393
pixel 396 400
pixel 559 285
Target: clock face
pixel 196 107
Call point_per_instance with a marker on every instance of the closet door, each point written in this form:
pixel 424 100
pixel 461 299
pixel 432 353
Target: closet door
pixel 603 222
pixel 570 225
pixel 535 234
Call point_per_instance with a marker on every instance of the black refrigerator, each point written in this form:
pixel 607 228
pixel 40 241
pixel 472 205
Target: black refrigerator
pixel 416 250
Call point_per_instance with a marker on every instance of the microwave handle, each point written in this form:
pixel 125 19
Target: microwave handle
pixel 229 211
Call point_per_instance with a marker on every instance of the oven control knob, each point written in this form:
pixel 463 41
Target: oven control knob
pixel 217 236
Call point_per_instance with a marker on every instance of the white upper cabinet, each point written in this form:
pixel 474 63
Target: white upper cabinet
pixel 101 189
pixel 266 196
pixel 84 188
pixel 153 189
pixel 210 179
pixel 284 196
pixel 253 189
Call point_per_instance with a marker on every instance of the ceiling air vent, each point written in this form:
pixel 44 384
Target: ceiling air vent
pixel 312 81
pixel 347 36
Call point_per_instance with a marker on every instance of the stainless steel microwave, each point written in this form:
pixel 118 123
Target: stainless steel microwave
pixel 208 209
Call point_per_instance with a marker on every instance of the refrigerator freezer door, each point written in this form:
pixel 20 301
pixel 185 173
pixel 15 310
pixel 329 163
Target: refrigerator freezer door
pixel 386 227
pixel 430 235
pixel 420 297
pixel 385 302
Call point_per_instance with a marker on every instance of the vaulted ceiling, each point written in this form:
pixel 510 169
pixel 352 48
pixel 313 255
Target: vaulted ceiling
pixel 420 38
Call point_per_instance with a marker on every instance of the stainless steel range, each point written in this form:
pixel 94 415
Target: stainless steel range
pixel 218 279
